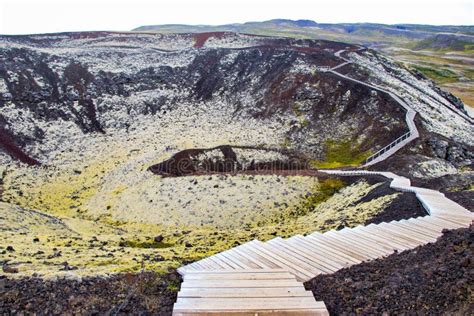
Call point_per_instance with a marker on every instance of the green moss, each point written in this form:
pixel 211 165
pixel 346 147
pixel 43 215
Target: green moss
pixel 297 109
pixel 321 193
pixel 439 75
pixel 341 154
pixel 144 244
pixel 286 143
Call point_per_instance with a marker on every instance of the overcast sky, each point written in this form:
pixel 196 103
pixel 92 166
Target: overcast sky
pixel 29 16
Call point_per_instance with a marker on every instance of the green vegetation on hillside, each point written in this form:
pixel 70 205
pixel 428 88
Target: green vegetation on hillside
pixel 324 190
pixel 440 75
pixel 341 154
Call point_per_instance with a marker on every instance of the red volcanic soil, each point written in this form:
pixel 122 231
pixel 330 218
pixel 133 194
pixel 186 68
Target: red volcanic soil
pixel 8 145
pixel 201 38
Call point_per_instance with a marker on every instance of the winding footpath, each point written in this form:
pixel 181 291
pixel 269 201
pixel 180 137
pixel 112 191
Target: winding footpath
pixel 260 278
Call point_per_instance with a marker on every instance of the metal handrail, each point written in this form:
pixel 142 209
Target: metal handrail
pixel 388 147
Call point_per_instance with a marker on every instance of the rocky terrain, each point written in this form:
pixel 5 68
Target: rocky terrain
pixel 431 279
pixel 123 152
pixel 442 53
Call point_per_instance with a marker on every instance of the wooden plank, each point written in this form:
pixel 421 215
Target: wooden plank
pixel 296 255
pixel 297 291
pixel 230 261
pixel 250 255
pixel 287 312
pixel 415 229
pixel 239 276
pixel 373 242
pixel 357 244
pixel 369 232
pixel 240 271
pixel 443 222
pixel 425 222
pixel 224 264
pixel 459 222
pixel 422 224
pixel 413 232
pixel 208 264
pixel 344 244
pixel 238 283
pixel 328 263
pixel 241 261
pixel 228 304
pixel 326 249
pixel 378 229
pixel 421 227
pixel 342 247
pixel 299 272
pixel 402 234
pixel 294 260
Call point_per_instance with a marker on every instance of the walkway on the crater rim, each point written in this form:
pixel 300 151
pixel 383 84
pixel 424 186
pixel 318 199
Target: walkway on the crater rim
pixel 259 278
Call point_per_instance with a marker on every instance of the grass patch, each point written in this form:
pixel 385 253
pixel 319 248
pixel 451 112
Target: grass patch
pixel 144 244
pixel 341 154
pixel 321 193
pixel 439 75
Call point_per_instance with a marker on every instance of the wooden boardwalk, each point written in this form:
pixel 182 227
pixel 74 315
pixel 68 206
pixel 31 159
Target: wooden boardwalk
pixel 264 268
pixel 245 292
pixel 260 278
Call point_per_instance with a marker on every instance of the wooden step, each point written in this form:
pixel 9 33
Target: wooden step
pixel 239 276
pixel 386 246
pixel 255 305
pixel 325 250
pixel 372 242
pixel 293 260
pixel 258 260
pixel 421 227
pixel 408 244
pixel 357 244
pixel 414 231
pixel 240 292
pixel 445 221
pixel 238 283
pixel 223 262
pixel 300 272
pixel 297 291
pixel 342 246
pixel 402 235
pixel 459 221
pixel 426 222
pixel 323 262
pixel 238 260
pixel 377 235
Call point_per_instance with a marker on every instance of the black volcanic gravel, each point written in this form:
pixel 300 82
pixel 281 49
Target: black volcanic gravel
pixel 404 206
pixel 145 294
pixel 433 279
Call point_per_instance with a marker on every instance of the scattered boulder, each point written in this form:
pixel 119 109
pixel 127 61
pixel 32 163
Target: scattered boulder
pixel 9 269
pixel 158 238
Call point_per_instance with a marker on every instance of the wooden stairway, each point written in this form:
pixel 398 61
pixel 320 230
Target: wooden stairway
pixel 304 257
pixel 245 292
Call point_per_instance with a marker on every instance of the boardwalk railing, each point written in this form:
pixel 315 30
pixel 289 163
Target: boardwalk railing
pixel 388 147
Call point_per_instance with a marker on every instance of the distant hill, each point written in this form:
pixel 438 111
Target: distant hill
pixel 445 42
pixel 371 34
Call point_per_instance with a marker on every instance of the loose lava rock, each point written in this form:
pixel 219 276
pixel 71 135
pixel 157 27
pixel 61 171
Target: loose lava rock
pixel 432 279
pixel 144 293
